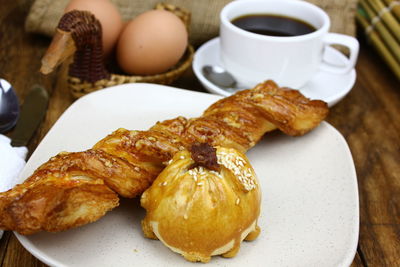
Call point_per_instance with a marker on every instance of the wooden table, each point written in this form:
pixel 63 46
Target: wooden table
pixel 368 118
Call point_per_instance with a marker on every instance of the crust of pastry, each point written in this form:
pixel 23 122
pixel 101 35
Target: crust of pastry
pixel 56 204
pixel 200 213
pixel 127 162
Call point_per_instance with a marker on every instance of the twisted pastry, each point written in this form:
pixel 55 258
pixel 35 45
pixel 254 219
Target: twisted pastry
pixel 73 189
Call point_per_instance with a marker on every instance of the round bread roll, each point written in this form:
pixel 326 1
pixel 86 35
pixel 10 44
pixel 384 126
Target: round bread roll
pixel 204 203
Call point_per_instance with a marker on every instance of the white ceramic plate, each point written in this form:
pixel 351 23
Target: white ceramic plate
pixel 310 200
pixel 324 85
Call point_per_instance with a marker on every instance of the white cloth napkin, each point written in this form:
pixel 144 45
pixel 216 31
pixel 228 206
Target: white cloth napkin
pixel 12 160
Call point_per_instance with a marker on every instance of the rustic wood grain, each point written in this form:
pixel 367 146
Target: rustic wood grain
pixel 18 256
pixel 19 61
pixel 368 118
pixel 357 262
pixel 379 168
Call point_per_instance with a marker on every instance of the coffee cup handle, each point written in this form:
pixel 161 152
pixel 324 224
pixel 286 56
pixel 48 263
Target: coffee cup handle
pixel 344 40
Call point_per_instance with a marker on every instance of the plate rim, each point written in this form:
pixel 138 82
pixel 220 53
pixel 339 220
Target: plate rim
pixel 347 258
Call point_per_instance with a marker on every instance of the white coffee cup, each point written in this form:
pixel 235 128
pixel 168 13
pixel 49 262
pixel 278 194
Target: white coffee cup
pixel 290 61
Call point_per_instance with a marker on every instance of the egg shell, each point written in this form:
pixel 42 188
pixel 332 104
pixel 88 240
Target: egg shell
pixel 152 43
pixel 108 15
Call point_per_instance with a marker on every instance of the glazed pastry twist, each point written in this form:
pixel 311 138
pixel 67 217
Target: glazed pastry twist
pixel 73 189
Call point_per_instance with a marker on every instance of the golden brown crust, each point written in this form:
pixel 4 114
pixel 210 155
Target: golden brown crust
pixel 287 109
pixel 55 204
pixel 199 212
pixel 128 161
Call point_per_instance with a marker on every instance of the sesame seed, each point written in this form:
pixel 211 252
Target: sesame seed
pixel 165 183
pixel 200 183
pixel 236 165
pixel 182 157
pixel 237 201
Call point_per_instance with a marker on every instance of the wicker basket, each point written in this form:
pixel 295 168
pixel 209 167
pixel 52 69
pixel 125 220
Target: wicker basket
pixel 80 87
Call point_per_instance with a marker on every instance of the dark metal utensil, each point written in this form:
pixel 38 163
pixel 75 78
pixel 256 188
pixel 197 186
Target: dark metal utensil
pixel 33 111
pixel 9 106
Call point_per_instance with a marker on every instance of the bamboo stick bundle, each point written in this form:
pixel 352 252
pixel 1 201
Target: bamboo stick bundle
pixel 377 42
pixel 385 14
pixel 382 29
pixel 394 6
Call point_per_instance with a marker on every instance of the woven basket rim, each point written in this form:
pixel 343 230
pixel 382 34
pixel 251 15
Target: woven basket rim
pixel 186 59
pixel 79 88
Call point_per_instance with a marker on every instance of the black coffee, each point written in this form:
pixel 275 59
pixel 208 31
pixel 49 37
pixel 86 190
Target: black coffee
pixel 273 25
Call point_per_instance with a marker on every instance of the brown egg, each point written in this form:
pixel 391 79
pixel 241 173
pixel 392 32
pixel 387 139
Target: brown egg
pixel 108 15
pixel 151 43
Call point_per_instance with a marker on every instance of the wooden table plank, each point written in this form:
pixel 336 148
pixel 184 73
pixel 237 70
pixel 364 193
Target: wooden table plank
pixel 18 256
pixel 358 262
pixel 380 244
pixel 19 61
pixel 377 159
pixel 368 118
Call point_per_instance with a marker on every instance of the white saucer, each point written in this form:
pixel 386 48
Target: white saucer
pixel 325 86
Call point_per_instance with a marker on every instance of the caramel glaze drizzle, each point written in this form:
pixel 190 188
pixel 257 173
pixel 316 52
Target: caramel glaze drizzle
pixel 88 64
